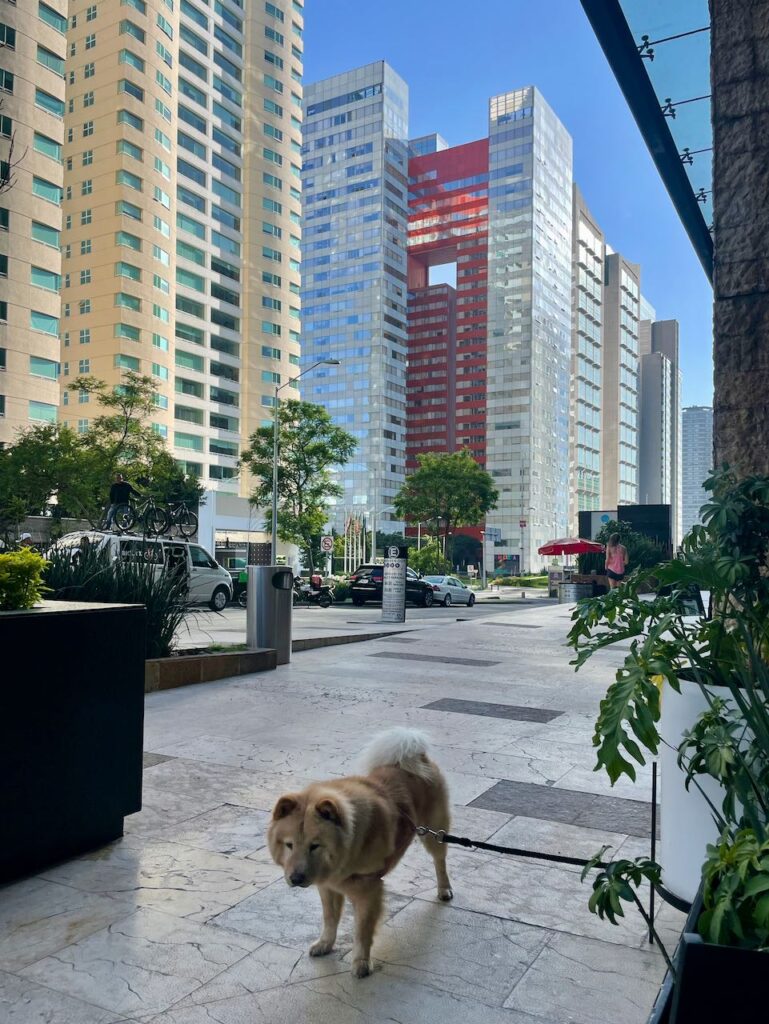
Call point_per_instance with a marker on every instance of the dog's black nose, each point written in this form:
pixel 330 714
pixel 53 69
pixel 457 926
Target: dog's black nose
pixel 297 878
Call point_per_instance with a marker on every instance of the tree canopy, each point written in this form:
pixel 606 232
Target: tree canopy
pixel 51 468
pixel 448 490
pixel 310 444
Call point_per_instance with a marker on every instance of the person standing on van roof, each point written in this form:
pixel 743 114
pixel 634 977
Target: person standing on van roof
pixel 119 494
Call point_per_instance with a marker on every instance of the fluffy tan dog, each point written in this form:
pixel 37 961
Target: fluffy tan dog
pixel 345 835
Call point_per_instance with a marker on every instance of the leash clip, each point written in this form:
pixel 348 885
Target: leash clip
pixel 423 830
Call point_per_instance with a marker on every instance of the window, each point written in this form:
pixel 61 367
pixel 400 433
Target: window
pixel 160 371
pixel 43 100
pixel 271 254
pixel 272 180
pixel 161 284
pixel 191 252
pixel 270 154
pixel 161 255
pixel 128 301
pixel 86 216
pixel 160 342
pixel 227 91
pixel 165 55
pixel 186 305
pixel 133 181
pixel 126 117
pixel 191 145
pixel 274 12
pixel 189 361
pixel 41 278
pixel 194 14
pixel 190 280
pixel 228 42
pixel 89 70
pixel 127 362
pixel 85 276
pixel 189 415
pixel 123 269
pixel 185 195
pixel 84 366
pixel 226 269
pixel 90 41
pixel 128 240
pixel 138 5
pixel 129 57
pixel 194 40
pixel 87 129
pixel 8 37
pixel 193 443
pixel 160 313
pixel 225 167
pixel 43 412
pixel 161 197
pixel 130 149
pixel 127 86
pixel 85 246
pixel 87 158
pixel 129 28
pixel 90 13
pixel 49 147
pixel 189 224
pixel 45 234
pixel 128 332
pixel 47 190
pixel 163 110
pixel 163 82
pixel 273 83
pixel 192 92
pixel 188 333
pixel 162 168
pixel 43 322
pixel 86 187
pixel 52 17
pixel 165 26
pixel 84 306
pixel 273 34
pixel 160 225
pixel 82 426
pixel 163 139
pixel 48 59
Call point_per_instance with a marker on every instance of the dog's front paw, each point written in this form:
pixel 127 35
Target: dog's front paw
pixel 445 895
pixel 361 968
pixel 321 948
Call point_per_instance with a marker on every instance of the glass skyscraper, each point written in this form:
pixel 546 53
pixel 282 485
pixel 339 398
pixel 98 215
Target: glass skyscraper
pixel 529 321
pixel 354 283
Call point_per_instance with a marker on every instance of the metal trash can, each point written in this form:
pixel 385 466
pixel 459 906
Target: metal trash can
pixel 570 593
pixel 268 609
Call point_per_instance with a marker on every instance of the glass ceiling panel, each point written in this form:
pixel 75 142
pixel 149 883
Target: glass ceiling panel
pixel 677 34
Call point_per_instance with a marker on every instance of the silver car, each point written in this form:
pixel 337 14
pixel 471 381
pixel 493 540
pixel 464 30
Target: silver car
pixel 449 590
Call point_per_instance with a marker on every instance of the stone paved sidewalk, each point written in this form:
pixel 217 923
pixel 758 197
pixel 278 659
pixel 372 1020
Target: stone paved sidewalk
pixel 186 920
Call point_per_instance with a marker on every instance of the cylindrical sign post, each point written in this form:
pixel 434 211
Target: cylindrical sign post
pixel 327 547
pixel 394 584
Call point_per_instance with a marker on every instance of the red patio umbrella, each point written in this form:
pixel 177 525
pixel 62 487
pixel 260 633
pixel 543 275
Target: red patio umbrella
pixel 570 546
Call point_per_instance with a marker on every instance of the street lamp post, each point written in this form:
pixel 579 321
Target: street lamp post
pixel 374 513
pixel 275 450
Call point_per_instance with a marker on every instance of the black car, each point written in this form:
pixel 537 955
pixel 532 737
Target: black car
pixel 366 585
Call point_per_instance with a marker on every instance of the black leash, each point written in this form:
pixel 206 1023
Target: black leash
pixel 446 837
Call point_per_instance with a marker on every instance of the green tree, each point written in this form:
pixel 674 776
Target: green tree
pixel 429 559
pixel 448 490
pixel 310 445
pixel 50 468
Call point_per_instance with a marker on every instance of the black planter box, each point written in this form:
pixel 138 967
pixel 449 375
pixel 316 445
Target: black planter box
pixel 71 730
pixel 714 984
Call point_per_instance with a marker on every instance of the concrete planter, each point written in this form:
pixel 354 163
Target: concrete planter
pixel 71 730
pixel 168 673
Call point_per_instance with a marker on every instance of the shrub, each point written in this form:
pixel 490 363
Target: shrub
pixel 91 575
pixel 342 590
pixel 429 560
pixel 21 580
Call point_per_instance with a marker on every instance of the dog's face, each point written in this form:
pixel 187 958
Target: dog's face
pixel 307 838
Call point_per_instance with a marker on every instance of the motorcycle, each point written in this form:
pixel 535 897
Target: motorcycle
pixel 306 593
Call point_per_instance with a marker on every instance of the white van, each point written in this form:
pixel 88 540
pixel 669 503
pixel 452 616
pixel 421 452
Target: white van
pixel 209 582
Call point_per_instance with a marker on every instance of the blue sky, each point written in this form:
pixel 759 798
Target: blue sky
pixel 454 55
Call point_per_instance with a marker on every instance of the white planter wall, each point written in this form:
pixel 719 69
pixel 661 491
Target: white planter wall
pixel 686 822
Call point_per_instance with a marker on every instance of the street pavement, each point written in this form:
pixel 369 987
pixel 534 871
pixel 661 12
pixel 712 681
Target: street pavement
pixel 187 921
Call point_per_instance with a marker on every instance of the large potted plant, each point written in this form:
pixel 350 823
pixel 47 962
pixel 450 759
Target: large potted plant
pixel 71 720
pixel 716 666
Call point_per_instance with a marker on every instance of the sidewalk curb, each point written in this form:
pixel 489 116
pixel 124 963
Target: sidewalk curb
pixel 311 642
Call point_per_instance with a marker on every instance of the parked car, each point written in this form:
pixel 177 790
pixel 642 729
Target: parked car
pixel 209 582
pixel 366 585
pixel 449 590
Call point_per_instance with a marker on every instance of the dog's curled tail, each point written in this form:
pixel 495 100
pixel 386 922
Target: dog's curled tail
pixel 406 748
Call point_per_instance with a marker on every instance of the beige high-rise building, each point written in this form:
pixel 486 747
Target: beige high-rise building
pixel 182 213
pixel 32 51
pixel 620 382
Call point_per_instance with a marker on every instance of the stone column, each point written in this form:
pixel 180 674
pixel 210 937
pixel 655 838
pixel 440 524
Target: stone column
pixel 740 85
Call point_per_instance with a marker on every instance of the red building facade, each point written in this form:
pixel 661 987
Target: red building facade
pixel 446 377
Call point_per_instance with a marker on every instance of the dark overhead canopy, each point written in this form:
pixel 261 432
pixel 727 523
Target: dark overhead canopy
pixel 659 51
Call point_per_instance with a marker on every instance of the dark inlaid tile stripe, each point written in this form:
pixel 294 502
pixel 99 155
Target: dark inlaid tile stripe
pixel 614 814
pixel 400 639
pixel 436 659
pixel 511 625
pixel 489 710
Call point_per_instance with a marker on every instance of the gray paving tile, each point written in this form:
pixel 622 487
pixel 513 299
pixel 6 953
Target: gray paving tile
pixel 149 759
pixel 511 625
pixel 24 1001
pixel 514 712
pixel 434 658
pixel 633 817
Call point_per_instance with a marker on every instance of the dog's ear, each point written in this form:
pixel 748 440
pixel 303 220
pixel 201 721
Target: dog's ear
pixel 329 810
pixel 284 807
